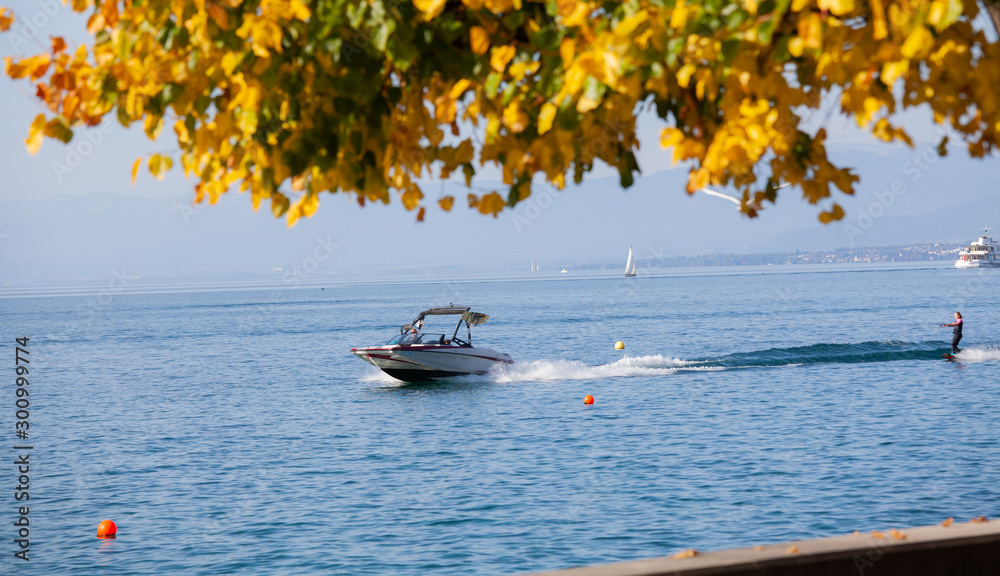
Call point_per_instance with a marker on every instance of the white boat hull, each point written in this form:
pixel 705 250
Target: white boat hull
pixel 420 362
pixel 976 264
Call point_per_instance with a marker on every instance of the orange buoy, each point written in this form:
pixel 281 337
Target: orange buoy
pixel 107 529
pixel 588 399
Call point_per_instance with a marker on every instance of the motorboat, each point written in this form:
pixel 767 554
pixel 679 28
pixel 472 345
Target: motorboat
pixel 983 253
pixel 416 355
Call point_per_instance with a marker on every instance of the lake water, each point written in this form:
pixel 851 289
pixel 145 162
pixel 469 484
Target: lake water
pixel 227 429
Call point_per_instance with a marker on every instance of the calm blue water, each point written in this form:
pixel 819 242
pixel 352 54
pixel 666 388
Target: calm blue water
pixel 231 431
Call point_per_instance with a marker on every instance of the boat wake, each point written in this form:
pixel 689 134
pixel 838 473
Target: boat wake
pixel 548 370
pixel 664 365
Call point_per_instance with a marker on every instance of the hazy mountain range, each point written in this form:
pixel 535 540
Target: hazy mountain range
pixel 906 196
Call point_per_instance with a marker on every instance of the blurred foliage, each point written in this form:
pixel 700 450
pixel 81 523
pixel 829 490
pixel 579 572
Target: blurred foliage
pixel 287 99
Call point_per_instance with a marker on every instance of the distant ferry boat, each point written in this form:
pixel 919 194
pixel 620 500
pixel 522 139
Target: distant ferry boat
pixel 983 253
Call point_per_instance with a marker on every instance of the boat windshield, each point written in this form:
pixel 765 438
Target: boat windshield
pixel 421 338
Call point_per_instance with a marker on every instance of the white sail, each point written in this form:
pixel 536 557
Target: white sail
pixel 630 263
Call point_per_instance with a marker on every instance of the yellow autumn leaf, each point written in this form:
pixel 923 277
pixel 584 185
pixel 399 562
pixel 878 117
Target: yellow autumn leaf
pixel 6 19
pixel 444 109
pixel 33 68
pixel 891 71
pixel 684 74
pixel 698 179
pixel 521 69
pixel 626 28
pixel 796 46
pixel 491 203
pixel 299 10
pixel 304 208
pixel 500 56
pixel 567 50
pixel 918 44
pixel 546 117
pixel 95 23
pixel 811 32
pixel 586 104
pixel 135 168
pixel 679 15
pixel 671 137
pixel 35 134
pixel 446 203
pixel 479 40
pixel 886 132
pixel 459 88
pixel 159 164
pixel 944 13
pixel 498 6
pixel 430 8
pixel 689 553
pixel 879 29
pixel 837 7
pixel 266 34
pixel 575 14
pixel 279 204
pixel 514 118
pixel 219 16
pixel 411 198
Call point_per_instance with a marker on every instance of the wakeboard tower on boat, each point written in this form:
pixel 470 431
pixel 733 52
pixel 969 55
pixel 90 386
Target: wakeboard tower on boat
pixel 417 356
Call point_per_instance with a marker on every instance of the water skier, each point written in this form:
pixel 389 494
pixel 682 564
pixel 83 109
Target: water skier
pixel 957 332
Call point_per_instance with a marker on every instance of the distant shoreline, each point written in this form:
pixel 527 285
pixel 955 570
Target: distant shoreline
pixel 329 280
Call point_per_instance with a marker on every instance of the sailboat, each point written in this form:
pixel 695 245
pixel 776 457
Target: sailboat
pixel 630 264
pixel 534 266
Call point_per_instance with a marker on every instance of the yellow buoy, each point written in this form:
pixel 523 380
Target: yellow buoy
pixel 619 345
